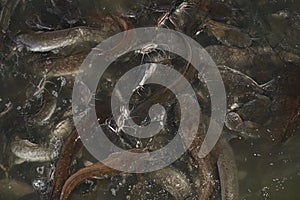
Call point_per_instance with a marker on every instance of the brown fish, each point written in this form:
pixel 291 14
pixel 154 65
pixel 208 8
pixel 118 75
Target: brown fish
pixel 68 152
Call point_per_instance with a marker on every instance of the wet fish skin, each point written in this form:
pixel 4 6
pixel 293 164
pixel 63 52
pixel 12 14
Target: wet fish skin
pixel 76 36
pixel 46 112
pixel 62 129
pixel 173 181
pixel 53 40
pixel 68 152
pixel 205 166
pixel 97 170
pixel 26 151
pixel 5 18
pixel 6 13
pixel 56 67
pixel 260 63
pixel 238 84
pixel 216 10
pixel 227 169
pixel 228 35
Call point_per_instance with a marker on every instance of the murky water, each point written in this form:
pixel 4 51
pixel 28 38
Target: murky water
pixel 258 38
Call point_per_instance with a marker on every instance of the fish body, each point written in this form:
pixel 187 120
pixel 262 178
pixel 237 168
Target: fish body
pixel 26 151
pixel 53 40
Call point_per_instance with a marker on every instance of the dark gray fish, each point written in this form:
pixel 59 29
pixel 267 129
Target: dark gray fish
pixel 5 17
pixel 228 35
pixel 215 9
pixel 173 181
pixel 260 63
pixel 54 40
pixel 55 67
pixel 6 13
pixel 231 56
pixel 227 169
pixel 247 129
pixel 238 85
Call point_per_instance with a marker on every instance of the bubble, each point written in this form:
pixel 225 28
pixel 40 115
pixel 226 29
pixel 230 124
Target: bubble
pixel 113 191
pixel 40 170
pixel 39 185
pixel 54 93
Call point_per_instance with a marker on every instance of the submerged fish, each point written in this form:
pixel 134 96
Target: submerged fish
pixel 228 35
pixel 26 151
pixel 68 66
pixel 50 41
pixel 77 36
pixel 46 112
pixel 173 181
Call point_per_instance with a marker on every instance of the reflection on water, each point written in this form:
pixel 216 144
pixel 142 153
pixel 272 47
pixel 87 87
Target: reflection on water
pixel 40 53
